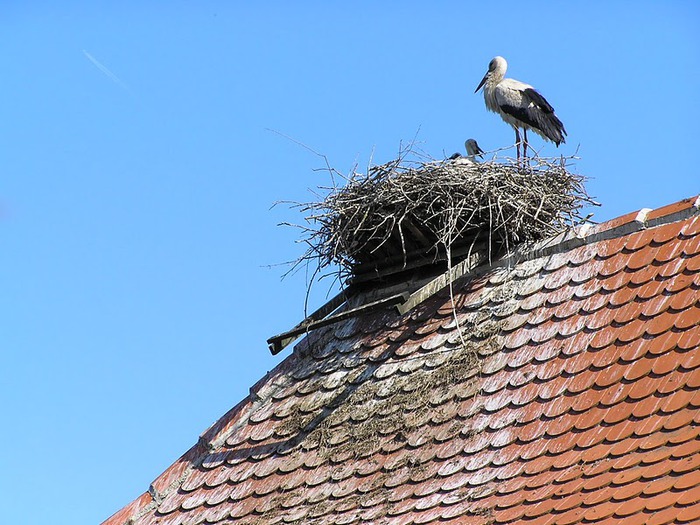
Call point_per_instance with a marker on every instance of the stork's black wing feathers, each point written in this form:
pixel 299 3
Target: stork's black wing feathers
pixel 525 115
pixel 537 113
pixel 538 100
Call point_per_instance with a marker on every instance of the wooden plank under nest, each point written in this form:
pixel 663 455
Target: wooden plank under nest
pixel 381 269
pixel 441 281
pixel 404 302
pixel 278 342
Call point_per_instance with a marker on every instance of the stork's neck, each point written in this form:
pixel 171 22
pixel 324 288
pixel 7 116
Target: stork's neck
pixel 496 76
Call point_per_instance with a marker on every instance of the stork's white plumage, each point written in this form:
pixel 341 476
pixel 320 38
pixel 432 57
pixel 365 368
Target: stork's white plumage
pixel 520 105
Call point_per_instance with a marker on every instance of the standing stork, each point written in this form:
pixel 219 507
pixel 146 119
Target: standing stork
pixel 519 105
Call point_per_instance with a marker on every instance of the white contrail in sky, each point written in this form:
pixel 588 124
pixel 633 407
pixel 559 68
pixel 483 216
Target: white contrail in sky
pixel 105 70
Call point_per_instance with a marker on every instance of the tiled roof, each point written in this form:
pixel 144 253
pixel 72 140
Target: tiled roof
pixel 559 386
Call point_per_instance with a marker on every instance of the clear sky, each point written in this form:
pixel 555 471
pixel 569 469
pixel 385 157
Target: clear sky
pixel 138 171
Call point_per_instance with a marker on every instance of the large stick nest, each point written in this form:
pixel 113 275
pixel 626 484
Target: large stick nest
pixel 406 208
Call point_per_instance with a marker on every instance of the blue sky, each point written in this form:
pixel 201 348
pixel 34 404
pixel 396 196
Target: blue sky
pixel 139 170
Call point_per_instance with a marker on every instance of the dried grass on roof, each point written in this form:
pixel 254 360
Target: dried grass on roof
pixel 416 205
pixel 361 418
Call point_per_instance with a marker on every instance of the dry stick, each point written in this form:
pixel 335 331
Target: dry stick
pixel 448 250
pixel 385 236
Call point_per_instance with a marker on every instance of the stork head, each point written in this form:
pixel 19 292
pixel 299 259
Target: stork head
pixel 473 148
pixel 497 70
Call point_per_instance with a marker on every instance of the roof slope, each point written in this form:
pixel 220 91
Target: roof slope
pixel 560 386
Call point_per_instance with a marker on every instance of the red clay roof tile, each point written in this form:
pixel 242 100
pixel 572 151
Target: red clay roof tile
pixel 689 480
pixel 668 252
pixel 658 486
pixel 600 512
pixel 689 360
pixel 629 507
pixel 688 318
pixel 621 431
pixel 649 289
pixel 693 265
pixel 673 268
pixel 689 514
pixel 690 228
pixel 619 282
pixel 666 233
pixel 639 240
pixel 609 248
pixel 663 517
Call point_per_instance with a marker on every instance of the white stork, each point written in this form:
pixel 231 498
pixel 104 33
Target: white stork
pixel 473 151
pixel 519 105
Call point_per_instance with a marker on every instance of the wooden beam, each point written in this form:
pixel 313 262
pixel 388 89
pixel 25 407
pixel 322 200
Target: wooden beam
pixel 440 282
pixel 320 313
pixel 278 342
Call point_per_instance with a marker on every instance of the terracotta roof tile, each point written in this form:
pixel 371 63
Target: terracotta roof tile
pixel 664 517
pixel 600 512
pixel 639 240
pixel 692 265
pixel 689 514
pixel 688 260
pixel 686 481
pixel 567 392
pixel 691 228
